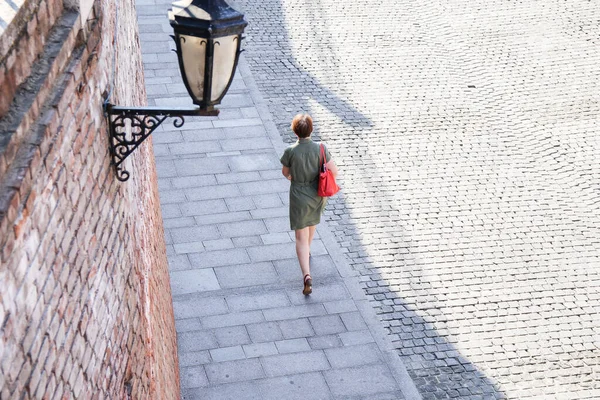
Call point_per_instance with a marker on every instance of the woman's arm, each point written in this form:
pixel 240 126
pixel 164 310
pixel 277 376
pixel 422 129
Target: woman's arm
pixel 286 172
pixel 333 168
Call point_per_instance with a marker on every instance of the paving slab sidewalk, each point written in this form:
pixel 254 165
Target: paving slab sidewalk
pixel 245 331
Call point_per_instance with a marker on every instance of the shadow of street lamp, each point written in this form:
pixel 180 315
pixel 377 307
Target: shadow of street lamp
pixel 208 35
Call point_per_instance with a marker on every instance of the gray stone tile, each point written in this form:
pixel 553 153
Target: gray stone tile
pixel 214 206
pixel 260 349
pixel 292 345
pixel 196 166
pixel 230 113
pixel 192 281
pixel 278 224
pixel 170 250
pixel 353 356
pixel 267 201
pixel 264 332
pixel 272 174
pixel 356 338
pixel 249 112
pixel 155 80
pixel 264 213
pixel 265 187
pixel 254 162
pixel 353 321
pixel 222 217
pixel 395 395
pixel 246 275
pixel 236 177
pixel 168 238
pixel 178 262
pixel 327 324
pixel 212 192
pixel 247 241
pixel 178 222
pixel 185 248
pixel 272 252
pixel 242 228
pixel 192 377
pixel 245 144
pixel 237 122
pixel 190 358
pixel 165 169
pixel 170 210
pixel 205 135
pixel 194 234
pixel 172 196
pixel 324 342
pixel 232 336
pixel 240 204
pixel 360 381
pixel 186 325
pixel 227 354
pixel 257 131
pixel 234 371
pixel 217 258
pixel 218 244
pixel 340 306
pixel 310 386
pixel 295 363
pixel 203 147
pixel 236 101
pixel 294 312
pixel 258 301
pixel 166 137
pixel 296 328
pixel 161 150
pixel 193 181
pixel 196 341
pixel 276 238
pixel 232 391
pixel 232 319
pixel 191 308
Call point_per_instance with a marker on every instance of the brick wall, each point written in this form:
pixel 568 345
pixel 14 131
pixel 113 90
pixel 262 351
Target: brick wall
pixel 85 302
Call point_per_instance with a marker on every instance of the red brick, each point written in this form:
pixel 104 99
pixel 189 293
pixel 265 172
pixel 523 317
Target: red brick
pixel 54 10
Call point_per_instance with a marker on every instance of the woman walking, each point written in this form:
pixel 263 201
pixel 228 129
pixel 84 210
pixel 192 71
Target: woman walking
pixel 301 163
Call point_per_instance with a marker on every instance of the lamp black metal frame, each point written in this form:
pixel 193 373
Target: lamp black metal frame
pixel 210 21
pixel 130 126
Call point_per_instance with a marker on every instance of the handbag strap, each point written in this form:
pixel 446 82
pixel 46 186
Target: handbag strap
pixel 322 158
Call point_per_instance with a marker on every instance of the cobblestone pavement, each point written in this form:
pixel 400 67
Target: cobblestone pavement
pixel 467 132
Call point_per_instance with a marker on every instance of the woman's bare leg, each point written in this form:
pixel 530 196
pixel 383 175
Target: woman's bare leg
pixel 303 249
pixel 311 234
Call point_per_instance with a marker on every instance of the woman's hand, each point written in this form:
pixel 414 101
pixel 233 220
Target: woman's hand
pixel 332 167
pixel 286 172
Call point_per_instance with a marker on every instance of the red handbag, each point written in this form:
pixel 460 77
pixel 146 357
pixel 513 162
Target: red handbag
pixel 327 185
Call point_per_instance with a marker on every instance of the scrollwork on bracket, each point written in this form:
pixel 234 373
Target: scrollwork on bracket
pixel 124 143
pixel 130 126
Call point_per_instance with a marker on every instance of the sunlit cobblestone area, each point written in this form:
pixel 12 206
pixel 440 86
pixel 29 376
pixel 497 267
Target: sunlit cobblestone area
pixel 468 136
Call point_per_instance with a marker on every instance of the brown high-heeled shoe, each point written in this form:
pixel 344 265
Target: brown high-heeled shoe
pixel 307 285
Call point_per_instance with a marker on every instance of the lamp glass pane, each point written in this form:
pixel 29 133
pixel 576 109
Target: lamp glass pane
pixel 193 54
pixel 224 60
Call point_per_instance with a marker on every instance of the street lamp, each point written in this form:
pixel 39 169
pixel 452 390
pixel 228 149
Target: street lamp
pixel 208 35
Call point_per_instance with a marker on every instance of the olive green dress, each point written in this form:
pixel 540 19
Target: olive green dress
pixel 306 207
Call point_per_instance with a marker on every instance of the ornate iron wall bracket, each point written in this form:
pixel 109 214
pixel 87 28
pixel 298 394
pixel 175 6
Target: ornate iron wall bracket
pixel 130 126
